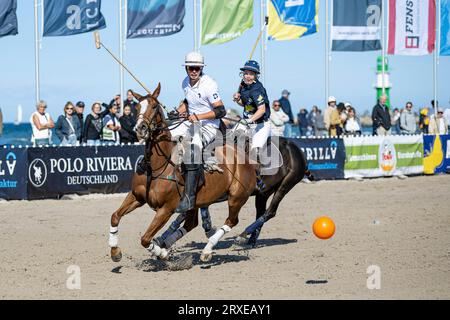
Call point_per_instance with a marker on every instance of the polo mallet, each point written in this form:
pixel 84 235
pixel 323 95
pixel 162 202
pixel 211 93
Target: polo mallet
pixel 99 44
pixel 266 22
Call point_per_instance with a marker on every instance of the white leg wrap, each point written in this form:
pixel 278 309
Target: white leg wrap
pixel 113 236
pixel 216 237
pixel 157 251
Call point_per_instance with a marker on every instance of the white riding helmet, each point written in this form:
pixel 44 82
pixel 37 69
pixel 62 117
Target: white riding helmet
pixel 331 99
pixel 194 59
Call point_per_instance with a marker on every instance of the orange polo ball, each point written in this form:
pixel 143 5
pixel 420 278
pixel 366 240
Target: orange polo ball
pixel 324 228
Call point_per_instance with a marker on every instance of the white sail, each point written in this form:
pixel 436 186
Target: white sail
pixel 18 119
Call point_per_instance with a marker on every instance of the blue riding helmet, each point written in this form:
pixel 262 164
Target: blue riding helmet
pixel 251 65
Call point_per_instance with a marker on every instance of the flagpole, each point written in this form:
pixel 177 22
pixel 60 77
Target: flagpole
pixel 435 58
pixel 383 47
pixel 121 55
pixel 36 51
pixel 201 27
pixel 195 26
pixel 263 41
pixel 327 50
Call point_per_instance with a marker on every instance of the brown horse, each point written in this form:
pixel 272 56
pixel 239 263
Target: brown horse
pixel 158 185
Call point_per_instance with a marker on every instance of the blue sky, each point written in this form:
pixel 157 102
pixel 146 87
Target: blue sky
pixel 73 69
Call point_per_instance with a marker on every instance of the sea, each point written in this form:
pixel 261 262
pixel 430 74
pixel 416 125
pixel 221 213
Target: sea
pixel 21 134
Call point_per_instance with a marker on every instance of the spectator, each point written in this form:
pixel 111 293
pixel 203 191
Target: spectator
pixel 116 101
pixel 93 126
pixel 312 119
pixel 132 103
pixel 331 117
pixel 79 109
pixel 447 117
pixel 381 118
pixel 111 125
pixel 286 107
pixel 127 122
pixel 320 130
pixel 438 124
pixel 41 123
pixel 342 111
pixel 395 123
pixel 68 128
pixel 408 120
pixel 302 117
pixel 352 125
pixel 278 119
pixel 424 120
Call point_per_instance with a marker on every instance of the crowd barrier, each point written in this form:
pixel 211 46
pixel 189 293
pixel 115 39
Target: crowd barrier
pixel 50 172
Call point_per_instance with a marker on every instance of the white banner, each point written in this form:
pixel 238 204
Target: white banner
pixel 412 27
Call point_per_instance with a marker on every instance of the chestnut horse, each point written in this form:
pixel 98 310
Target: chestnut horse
pixel 159 186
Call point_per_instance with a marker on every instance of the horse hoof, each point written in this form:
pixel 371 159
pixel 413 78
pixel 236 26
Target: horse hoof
pixel 206 257
pixel 164 255
pixel 116 254
pixel 241 240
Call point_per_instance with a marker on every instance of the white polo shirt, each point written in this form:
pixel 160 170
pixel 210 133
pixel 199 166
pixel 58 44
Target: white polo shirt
pixel 201 97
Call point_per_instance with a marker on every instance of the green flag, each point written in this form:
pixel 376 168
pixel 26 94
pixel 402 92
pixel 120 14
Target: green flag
pixel 224 21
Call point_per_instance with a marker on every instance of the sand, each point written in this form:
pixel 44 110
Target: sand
pixel 400 226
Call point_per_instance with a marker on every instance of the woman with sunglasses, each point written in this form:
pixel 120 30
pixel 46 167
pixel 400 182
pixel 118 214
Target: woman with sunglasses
pixel 203 109
pixel 68 128
pixel 278 119
pixel 41 123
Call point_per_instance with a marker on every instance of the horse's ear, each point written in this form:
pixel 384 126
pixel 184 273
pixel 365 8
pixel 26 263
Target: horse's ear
pixel 157 91
pixel 137 96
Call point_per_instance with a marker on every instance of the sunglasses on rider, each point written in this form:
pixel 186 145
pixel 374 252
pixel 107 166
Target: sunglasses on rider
pixel 194 68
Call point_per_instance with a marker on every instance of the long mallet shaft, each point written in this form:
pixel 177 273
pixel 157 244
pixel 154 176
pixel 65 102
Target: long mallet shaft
pixel 99 44
pixel 266 21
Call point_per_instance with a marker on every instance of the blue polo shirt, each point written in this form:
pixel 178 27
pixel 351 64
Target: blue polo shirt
pixel 252 97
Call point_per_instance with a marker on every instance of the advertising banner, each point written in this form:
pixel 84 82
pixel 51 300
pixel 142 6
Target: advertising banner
pixel 53 172
pixel 436 151
pixel 13 183
pixel 378 156
pixel 325 157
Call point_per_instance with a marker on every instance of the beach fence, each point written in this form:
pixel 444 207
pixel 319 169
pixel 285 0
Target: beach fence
pixel 51 172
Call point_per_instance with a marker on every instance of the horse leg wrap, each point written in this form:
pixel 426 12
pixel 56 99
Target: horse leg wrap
pixel 156 250
pixel 255 225
pixel 216 237
pixel 174 226
pixel 113 236
pixel 174 237
pixel 206 220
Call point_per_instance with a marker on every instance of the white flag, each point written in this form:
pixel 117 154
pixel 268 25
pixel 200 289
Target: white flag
pixel 412 27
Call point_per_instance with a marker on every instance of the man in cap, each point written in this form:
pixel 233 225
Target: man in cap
pixel 331 117
pixel 438 123
pixel 203 108
pixel 286 107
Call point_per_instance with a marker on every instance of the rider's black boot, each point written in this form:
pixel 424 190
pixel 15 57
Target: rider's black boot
pixel 192 176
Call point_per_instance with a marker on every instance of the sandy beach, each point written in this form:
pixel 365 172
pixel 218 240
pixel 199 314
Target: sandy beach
pixel 400 226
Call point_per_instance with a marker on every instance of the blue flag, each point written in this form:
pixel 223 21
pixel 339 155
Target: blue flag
pixel 356 25
pixel 8 18
pixel 154 18
pixel 445 28
pixel 292 19
pixel 70 17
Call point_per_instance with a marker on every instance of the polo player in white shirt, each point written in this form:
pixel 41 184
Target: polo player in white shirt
pixel 203 108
